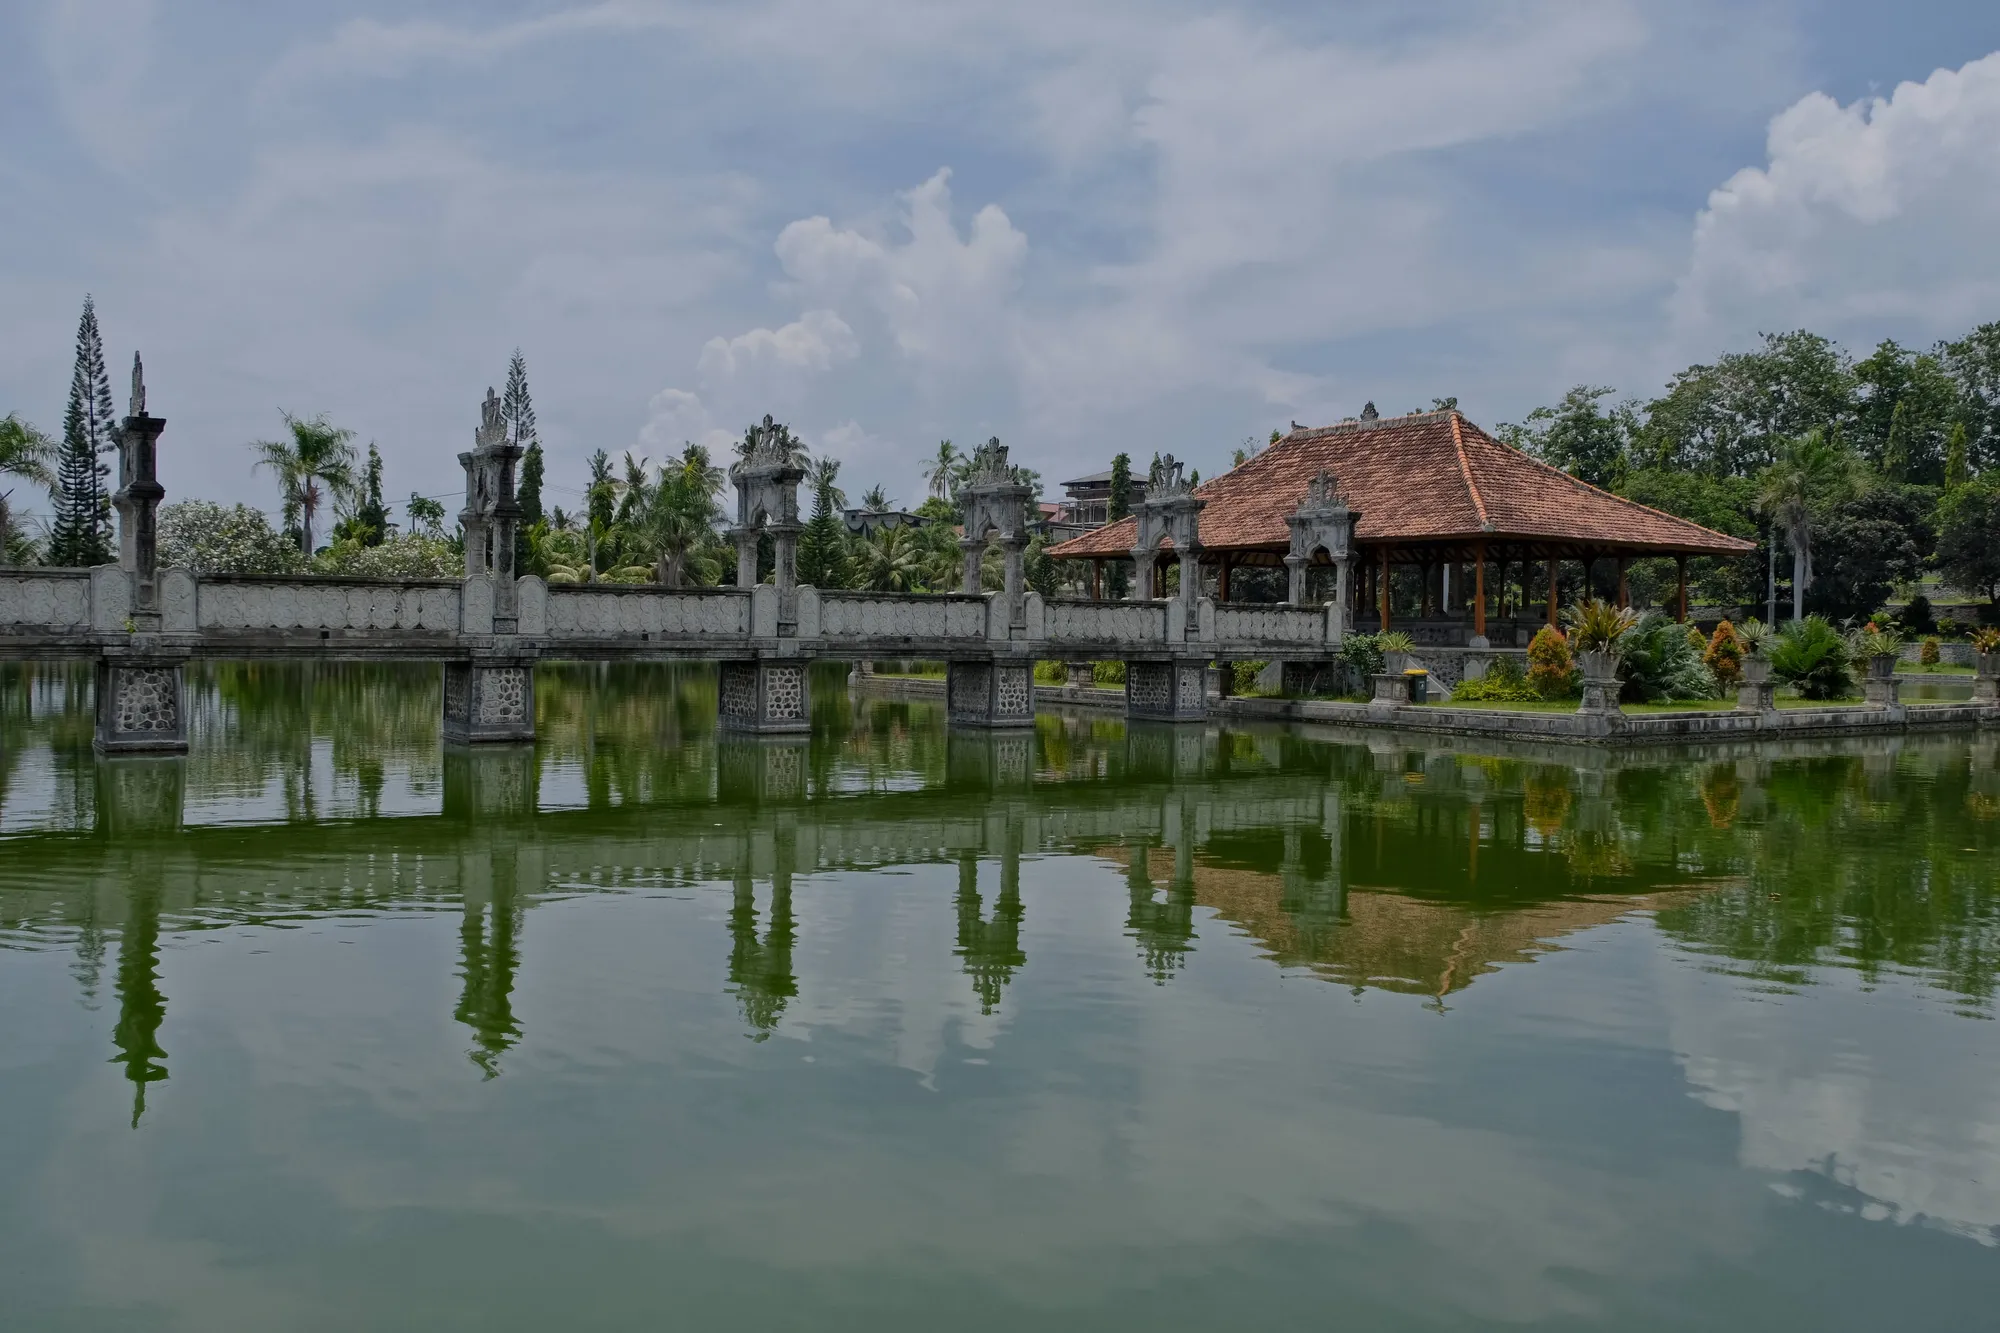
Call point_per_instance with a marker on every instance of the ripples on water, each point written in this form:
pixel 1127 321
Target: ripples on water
pixel 1098 1027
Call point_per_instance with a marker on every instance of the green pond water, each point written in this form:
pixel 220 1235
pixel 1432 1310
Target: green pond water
pixel 1100 1027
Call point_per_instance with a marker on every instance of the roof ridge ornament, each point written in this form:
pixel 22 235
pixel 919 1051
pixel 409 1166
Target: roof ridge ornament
pixel 1165 479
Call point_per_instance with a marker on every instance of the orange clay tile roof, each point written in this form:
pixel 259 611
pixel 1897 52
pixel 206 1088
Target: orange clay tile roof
pixel 1427 477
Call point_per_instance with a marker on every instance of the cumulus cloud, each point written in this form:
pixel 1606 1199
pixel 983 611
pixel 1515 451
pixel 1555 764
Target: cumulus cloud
pixel 811 343
pixel 1877 215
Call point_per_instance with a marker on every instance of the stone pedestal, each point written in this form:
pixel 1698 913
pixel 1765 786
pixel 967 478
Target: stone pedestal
pixel 989 693
pixel 139 707
pixel 1757 696
pixel 1082 675
pixel 488 702
pixel 1600 683
pixel 1882 691
pixel 1391 689
pixel 1986 686
pixel 764 697
pixel 1171 691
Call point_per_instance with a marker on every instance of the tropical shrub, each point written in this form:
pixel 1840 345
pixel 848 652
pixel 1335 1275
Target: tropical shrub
pixel 1502 683
pixel 208 538
pixel 1917 617
pixel 1051 673
pixel 1755 636
pixel 1551 669
pixel 1596 626
pixel 1661 663
pixel 1243 676
pixel 1107 673
pixel 1811 655
pixel 1871 640
pixel 1724 655
pixel 1986 641
pixel 1928 655
pixel 1395 641
pixel 1363 654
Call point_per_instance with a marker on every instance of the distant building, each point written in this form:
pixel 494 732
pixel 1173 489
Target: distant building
pixel 1087 506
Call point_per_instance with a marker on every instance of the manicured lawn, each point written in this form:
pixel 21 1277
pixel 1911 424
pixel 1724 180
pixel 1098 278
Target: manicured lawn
pixel 1941 669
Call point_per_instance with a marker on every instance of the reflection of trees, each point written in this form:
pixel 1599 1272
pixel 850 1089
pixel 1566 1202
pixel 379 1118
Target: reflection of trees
pixel 991 950
pixel 760 968
pixel 141 1006
pixel 489 953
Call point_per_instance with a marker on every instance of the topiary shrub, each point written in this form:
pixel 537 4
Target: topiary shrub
pixel 1811 656
pixel 1551 668
pixel 1928 654
pixel 1724 655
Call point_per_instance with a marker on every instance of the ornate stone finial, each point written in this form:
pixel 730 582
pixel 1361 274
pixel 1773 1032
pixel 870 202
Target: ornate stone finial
pixel 1368 412
pixel 1322 493
pixel 989 464
pixel 1165 478
pixel 138 404
pixel 492 421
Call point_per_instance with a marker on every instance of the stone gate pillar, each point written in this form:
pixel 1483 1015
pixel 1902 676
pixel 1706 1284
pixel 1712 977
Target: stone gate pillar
pixel 764 696
pixel 140 708
pixel 138 503
pixel 489 701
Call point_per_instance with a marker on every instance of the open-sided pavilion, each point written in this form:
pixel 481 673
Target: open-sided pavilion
pixel 1432 491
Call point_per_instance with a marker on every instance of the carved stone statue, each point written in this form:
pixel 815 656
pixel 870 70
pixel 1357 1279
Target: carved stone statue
pixel 138 404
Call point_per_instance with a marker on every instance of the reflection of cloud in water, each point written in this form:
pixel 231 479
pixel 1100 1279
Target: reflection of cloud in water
pixel 1855 1086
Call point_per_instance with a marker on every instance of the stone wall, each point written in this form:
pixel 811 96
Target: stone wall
pixel 879 616
pixel 247 603
pixel 604 611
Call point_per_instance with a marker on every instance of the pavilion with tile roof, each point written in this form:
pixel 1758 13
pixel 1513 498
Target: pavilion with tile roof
pixel 1432 490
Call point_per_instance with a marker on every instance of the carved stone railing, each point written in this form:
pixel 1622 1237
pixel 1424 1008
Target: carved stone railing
pixel 865 615
pixel 1140 624
pixel 242 603
pixel 45 601
pixel 1270 624
pixel 601 610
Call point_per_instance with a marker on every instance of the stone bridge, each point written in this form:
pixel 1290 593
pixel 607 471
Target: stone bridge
pixel 139 623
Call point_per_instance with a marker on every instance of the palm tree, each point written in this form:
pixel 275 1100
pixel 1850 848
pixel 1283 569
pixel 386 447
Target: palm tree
pixel 680 518
pixel 892 562
pixel 827 494
pixel 25 453
pixel 318 455
pixel 944 469
pixel 876 500
pixel 1808 471
pixel 633 491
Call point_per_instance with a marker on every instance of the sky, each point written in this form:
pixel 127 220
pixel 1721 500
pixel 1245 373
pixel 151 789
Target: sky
pixel 1083 228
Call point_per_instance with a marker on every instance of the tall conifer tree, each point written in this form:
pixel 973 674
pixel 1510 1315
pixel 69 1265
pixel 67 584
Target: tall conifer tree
pixel 81 533
pixel 518 408
pixel 1119 507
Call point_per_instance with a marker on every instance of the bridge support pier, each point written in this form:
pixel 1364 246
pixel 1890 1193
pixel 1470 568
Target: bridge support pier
pixel 488 702
pixel 1175 690
pixel 989 693
pixel 764 697
pixel 140 709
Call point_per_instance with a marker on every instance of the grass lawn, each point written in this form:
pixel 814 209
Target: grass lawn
pixel 1941 669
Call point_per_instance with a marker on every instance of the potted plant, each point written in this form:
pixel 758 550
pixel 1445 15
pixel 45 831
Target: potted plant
pixel 1395 647
pixel 1755 636
pixel 1595 628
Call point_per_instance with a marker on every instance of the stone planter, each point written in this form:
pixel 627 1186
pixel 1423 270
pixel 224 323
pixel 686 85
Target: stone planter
pixel 1391 690
pixel 1882 666
pixel 1600 682
pixel 1757 670
pixel 1880 687
pixel 1395 664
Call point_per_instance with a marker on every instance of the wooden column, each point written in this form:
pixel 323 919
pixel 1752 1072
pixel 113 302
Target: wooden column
pixel 1624 592
pixel 1552 590
pixel 1096 580
pixel 1479 589
pixel 1382 586
pixel 1681 596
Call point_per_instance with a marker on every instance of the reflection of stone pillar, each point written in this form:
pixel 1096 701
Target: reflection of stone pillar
pixel 142 1008
pixel 141 795
pixel 484 784
pixel 987 693
pixel 139 707
pixel 486 701
pixel 764 696
pixel 755 770
pixel 1171 691
pixel 984 761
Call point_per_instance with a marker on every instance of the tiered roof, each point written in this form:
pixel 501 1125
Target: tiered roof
pixel 1427 479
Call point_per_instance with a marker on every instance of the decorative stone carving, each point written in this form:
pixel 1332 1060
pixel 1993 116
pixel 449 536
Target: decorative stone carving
pixel 982 693
pixel 137 501
pixel 139 707
pixel 1171 691
pixel 1323 523
pixel 767 501
pixel 1171 512
pixel 110 599
pixel 996 510
pixel 531 601
pixel 492 513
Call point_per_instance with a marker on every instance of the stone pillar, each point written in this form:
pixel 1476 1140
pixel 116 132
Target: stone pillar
pixel 972 550
pixel 1879 686
pixel 1391 689
pixel 767 697
pixel 138 503
pixel 1986 683
pixel 1014 560
pixel 489 701
pixel 1082 675
pixel 785 556
pixel 1142 574
pixel 746 556
pixel 1343 596
pixel 988 692
pixel 1175 690
pixel 140 709
pixel 1295 569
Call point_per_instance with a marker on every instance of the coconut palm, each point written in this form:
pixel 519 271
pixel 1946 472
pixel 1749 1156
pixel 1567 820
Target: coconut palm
pixel 316 465
pixel 1809 471
pixel 892 562
pixel 876 500
pixel 944 469
pixel 680 519
pixel 25 453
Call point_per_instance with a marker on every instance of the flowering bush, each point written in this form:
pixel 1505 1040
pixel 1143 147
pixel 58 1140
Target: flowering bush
pixel 207 538
pixel 1724 655
pixel 1551 669
pixel 408 556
